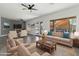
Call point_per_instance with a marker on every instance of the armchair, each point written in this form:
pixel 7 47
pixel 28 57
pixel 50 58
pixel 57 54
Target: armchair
pixel 23 51
pixel 23 34
pixel 11 47
pixel 13 35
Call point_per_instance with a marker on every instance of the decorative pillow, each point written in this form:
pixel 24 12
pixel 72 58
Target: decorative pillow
pixel 66 35
pixel 50 33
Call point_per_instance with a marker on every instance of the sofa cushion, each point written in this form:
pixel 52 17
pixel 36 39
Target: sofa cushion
pixel 46 54
pixel 35 54
pixel 23 51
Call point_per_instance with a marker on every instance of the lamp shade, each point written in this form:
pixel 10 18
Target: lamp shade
pixel 37 38
pixel 45 32
pixel 76 35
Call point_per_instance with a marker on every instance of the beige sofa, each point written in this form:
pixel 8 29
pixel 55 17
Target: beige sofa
pixel 63 41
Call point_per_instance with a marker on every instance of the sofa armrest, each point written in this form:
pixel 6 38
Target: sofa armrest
pixel 46 54
pixel 35 54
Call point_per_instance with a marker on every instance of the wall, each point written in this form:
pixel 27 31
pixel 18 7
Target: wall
pixel 74 11
pixel 4 31
pixel 0 26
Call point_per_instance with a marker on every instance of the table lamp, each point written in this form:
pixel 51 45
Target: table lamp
pixel 37 38
pixel 76 35
pixel 45 32
pixel 44 36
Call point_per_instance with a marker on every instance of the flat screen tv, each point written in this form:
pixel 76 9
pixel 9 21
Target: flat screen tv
pixel 17 26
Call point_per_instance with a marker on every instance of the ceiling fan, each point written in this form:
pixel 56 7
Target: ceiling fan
pixel 29 7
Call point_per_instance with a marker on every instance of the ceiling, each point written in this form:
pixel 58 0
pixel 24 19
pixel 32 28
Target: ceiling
pixel 14 10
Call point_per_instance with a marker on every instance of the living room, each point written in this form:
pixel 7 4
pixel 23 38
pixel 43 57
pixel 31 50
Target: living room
pixel 39 29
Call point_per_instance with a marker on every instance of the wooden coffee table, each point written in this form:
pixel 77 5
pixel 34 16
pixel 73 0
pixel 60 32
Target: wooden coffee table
pixel 48 46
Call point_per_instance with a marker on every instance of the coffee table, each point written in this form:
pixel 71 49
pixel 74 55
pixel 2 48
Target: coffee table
pixel 47 46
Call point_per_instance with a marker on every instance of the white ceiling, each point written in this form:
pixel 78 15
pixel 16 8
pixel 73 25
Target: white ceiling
pixel 14 10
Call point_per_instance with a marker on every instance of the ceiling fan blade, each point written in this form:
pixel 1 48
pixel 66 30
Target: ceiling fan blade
pixel 24 5
pixel 29 5
pixel 32 5
pixel 34 9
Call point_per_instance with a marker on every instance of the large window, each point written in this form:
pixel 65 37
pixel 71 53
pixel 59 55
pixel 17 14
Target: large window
pixel 63 25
